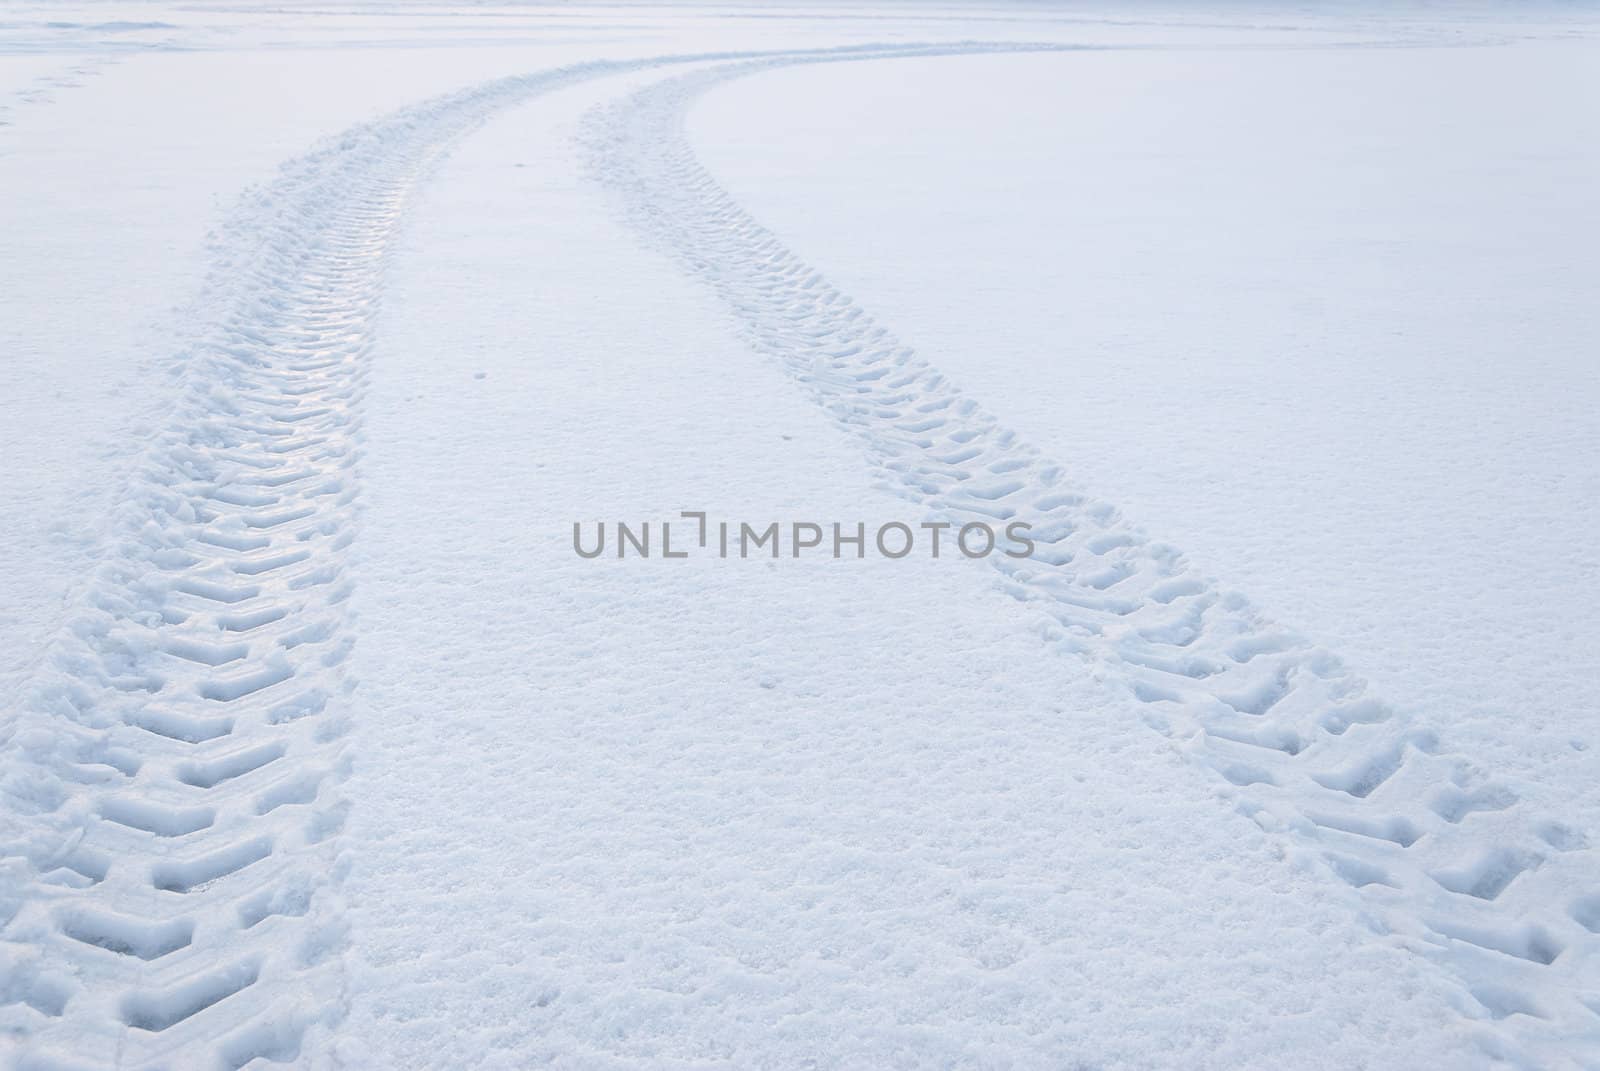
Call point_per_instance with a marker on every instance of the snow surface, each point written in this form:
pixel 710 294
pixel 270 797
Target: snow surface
pixel 1285 353
pixel 322 326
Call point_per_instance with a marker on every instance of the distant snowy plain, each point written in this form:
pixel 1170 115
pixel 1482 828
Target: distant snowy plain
pixel 321 325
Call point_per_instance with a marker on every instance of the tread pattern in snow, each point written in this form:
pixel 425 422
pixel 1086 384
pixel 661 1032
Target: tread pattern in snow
pixel 1447 860
pixel 170 788
pixel 169 884
pixel 169 897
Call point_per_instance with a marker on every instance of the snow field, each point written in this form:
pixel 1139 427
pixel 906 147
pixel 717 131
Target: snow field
pixel 701 813
pixel 723 813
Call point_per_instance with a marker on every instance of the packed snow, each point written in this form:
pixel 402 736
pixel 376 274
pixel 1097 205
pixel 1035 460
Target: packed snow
pixel 323 327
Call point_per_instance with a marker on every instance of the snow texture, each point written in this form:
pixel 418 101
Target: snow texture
pixel 322 748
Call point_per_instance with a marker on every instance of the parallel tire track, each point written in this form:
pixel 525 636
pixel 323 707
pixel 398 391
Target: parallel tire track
pixel 168 891
pixel 1448 860
pixel 170 788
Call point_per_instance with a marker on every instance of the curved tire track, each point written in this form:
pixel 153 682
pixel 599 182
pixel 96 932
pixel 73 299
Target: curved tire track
pixel 1447 860
pixel 179 762
pixel 170 856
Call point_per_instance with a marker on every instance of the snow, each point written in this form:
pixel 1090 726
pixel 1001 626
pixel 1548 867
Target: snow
pixel 1284 354
pixel 852 838
pixel 129 258
pixel 320 746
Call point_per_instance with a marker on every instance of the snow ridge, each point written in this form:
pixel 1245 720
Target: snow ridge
pixel 1447 860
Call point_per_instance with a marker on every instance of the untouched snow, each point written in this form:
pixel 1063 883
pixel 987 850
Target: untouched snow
pixel 322 326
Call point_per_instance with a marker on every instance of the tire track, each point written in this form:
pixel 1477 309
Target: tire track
pixel 181 758
pixel 173 900
pixel 1447 860
pixel 170 854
